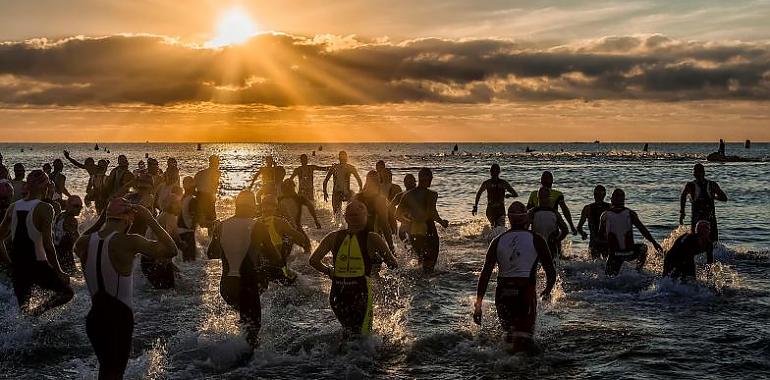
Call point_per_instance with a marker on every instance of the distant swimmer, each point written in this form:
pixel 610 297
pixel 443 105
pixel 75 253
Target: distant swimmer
pixel 702 193
pixel 616 225
pixel 548 224
pixel 18 182
pixel 290 204
pixel 680 259
pixel 646 148
pixel 341 173
pixel 353 252
pixel 305 173
pixel 597 246
pixel 65 233
pixel 246 247
pixel 556 197
pixel 409 183
pixel 120 179
pixel 377 208
pixel 186 222
pixel 207 187
pixel 270 176
pixel 284 236
pixel 418 209
pixel 28 223
pixel 721 150
pixel 517 254
pixel 107 254
pixel 496 189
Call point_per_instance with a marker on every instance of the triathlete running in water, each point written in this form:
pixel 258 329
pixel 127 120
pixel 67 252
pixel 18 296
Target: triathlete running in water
pixel 517 254
pixel 680 259
pixel 591 213
pixel 496 189
pixel 306 185
pixel 548 224
pixel 377 208
pixel 616 225
pixel 107 253
pixel 702 193
pixel 65 233
pixel 29 224
pixel 207 186
pixel 353 251
pixel 283 237
pixel 556 197
pixel 340 173
pixel 418 209
pixel 290 204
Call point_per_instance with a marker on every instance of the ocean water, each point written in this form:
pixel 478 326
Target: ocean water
pixel 635 325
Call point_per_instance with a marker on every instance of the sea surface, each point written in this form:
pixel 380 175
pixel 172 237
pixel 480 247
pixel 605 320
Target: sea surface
pixel 633 326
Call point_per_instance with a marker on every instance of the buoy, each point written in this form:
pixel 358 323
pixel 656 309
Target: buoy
pixel 96 147
pixel 748 144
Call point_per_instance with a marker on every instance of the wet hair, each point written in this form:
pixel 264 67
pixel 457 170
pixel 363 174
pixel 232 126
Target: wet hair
pixel 494 167
pixel 618 197
pixel 425 173
pixel 517 214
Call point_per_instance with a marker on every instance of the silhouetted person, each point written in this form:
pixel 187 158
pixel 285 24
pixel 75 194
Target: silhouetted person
pixel 702 193
pixel 341 173
pixel 680 259
pixel 556 197
pixel 591 213
pixel 616 225
pixel 496 189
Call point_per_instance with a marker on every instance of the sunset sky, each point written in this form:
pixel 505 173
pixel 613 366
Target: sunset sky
pixel 355 70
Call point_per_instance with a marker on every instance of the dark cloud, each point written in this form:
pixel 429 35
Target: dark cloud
pixel 283 70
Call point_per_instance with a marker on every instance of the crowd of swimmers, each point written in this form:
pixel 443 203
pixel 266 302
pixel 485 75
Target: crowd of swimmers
pixel 153 213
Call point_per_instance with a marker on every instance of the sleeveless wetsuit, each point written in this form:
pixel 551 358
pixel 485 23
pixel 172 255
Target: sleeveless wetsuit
pixel 283 245
pixel 65 233
pixel 703 207
pixel 516 293
pixel 680 259
pixel 496 202
pixel 351 296
pixel 110 322
pixel 186 228
pixel 545 223
pixel 241 282
pixel 619 228
pixel 597 245
pixel 29 263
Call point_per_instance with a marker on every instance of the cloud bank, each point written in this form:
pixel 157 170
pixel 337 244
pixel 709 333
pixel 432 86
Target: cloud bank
pixel 288 70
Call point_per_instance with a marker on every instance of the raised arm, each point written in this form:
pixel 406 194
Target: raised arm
pixel 384 251
pixel 163 248
pixel 645 232
pixel 324 247
pixel 73 161
pixel 486 274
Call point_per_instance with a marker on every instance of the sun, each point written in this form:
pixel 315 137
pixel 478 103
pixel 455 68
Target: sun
pixel 234 26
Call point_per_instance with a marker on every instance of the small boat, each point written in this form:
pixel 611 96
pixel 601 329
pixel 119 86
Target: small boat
pixel 646 148
pixel 529 150
pixel 597 142
pixel 748 144
pixel 200 147
pixel 96 147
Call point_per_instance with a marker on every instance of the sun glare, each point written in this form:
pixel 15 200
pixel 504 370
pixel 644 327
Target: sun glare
pixel 233 27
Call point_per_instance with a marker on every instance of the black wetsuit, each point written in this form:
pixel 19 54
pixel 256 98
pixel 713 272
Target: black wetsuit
pixel 109 326
pixel 242 293
pixel 350 296
pixel 703 207
pixel 66 233
pixel 496 188
pixel 680 259
pixel 28 271
pixel 186 229
pixel 596 244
